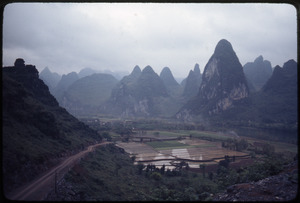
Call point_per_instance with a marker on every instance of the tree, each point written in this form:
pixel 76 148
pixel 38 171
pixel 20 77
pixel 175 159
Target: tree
pixel 162 169
pixel 202 166
pixel 156 176
pixel 225 162
pixel 106 135
pixel 210 175
pixel 241 145
pixel 140 168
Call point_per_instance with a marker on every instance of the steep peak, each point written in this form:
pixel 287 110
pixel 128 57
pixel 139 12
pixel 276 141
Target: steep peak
pixel 45 71
pixel 197 69
pixel 148 69
pixel 222 47
pixel 277 68
pixel 165 72
pixel 259 59
pixel 19 62
pixel 167 77
pixel 191 74
pixel 136 71
pixel 290 67
pixel 290 63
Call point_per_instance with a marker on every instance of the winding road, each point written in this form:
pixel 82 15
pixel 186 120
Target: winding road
pixel 42 185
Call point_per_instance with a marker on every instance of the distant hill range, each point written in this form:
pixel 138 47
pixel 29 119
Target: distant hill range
pixel 36 132
pixel 138 94
pixel 225 90
pixel 84 95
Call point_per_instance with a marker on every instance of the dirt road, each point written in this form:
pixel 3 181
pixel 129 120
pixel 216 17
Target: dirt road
pixel 41 186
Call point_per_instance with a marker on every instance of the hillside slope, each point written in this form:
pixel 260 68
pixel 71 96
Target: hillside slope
pixel 36 132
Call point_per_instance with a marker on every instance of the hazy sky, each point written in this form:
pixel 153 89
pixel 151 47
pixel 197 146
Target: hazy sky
pixel 68 37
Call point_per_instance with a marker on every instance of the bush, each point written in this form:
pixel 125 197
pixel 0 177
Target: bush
pixel 156 176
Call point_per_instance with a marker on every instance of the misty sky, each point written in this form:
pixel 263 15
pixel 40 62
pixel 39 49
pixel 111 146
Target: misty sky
pixel 68 37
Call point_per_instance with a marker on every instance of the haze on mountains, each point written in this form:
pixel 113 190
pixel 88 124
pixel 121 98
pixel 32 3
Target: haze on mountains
pixel 223 92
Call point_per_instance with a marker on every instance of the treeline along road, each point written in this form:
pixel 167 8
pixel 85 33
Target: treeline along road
pixel 41 186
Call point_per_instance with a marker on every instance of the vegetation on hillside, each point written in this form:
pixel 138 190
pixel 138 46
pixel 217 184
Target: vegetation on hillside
pixel 109 174
pixel 36 132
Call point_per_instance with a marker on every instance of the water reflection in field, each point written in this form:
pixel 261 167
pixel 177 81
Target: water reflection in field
pixel 197 150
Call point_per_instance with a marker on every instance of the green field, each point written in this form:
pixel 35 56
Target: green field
pixel 196 134
pixel 168 133
pixel 211 136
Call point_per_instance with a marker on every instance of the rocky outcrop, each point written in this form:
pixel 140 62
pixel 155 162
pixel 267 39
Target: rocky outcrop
pixel 223 83
pixel 282 187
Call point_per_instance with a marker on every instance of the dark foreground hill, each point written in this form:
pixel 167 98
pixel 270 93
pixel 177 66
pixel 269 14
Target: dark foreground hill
pixel 36 132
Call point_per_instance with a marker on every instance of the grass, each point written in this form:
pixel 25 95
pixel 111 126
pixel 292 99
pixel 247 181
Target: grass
pixel 168 133
pixel 206 135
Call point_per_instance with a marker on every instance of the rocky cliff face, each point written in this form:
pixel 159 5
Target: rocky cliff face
pixel 223 82
pixel 258 72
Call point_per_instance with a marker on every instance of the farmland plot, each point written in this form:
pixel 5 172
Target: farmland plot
pixel 193 151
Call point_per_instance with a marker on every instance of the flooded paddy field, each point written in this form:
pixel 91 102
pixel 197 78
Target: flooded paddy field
pixel 194 147
pixel 191 150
